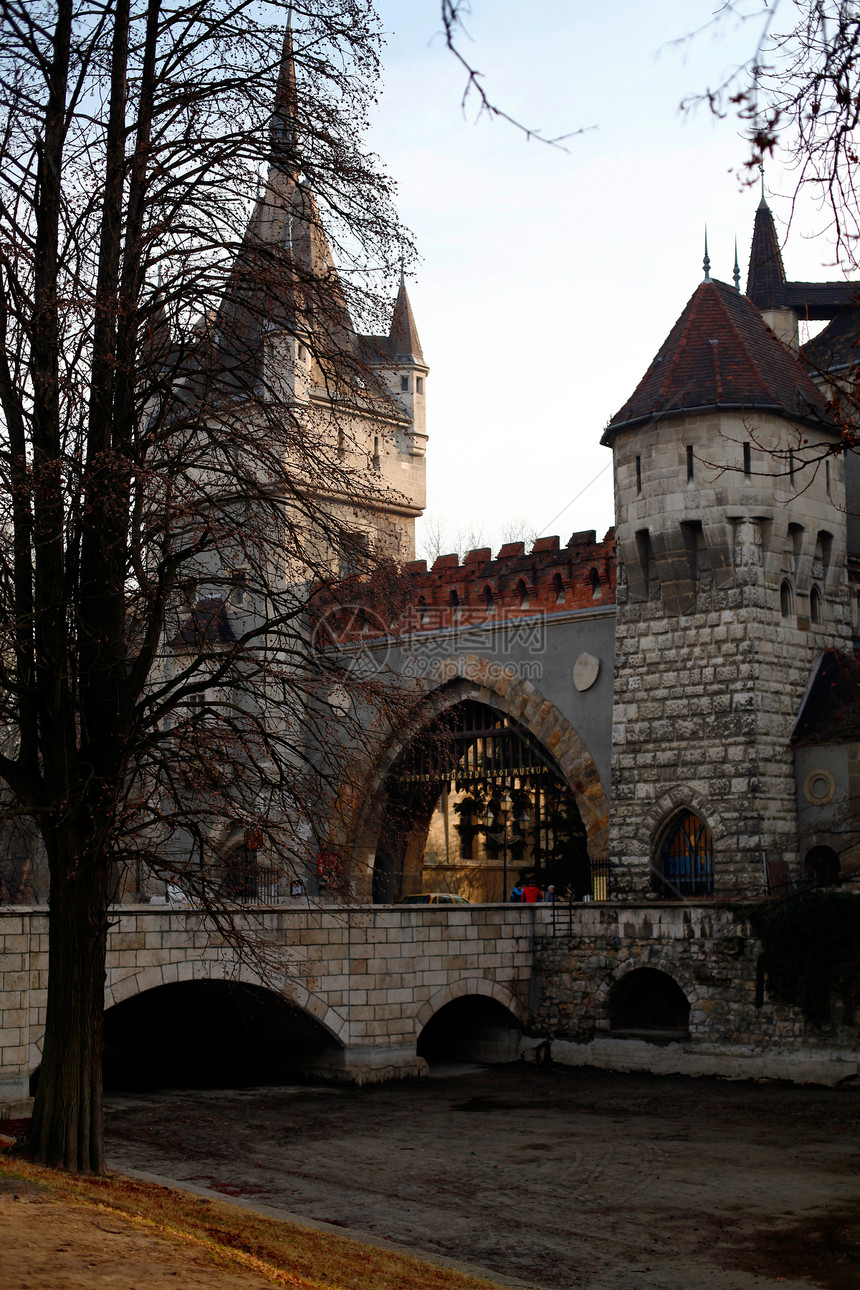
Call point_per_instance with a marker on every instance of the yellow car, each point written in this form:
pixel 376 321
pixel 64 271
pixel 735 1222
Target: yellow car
pixel 434 898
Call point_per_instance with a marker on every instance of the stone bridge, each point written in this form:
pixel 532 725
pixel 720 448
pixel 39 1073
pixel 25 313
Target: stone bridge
pixel 365 979
pixel 355 992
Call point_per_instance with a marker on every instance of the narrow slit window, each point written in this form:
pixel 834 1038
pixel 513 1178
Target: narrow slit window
pixel 638 474
pixel 786 599
pixel 643 549
pixel 815 605
pixel 690 465
pixel 747 460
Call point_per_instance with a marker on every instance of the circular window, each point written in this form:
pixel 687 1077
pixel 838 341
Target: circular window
pixel 819 787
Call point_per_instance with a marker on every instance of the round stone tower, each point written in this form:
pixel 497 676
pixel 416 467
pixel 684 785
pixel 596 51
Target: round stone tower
pixel 731 580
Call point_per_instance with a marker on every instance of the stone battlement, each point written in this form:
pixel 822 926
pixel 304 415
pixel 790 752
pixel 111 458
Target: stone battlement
pixel 548 579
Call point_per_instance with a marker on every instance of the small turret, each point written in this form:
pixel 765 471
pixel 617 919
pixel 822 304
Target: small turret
pixel 403 368
pixel 767 287
pixel 403 338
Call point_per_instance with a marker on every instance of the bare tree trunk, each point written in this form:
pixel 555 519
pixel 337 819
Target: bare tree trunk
pixel 67 1125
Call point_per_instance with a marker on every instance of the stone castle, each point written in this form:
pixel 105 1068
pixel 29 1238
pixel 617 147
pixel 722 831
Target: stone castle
pixel 664 724
pixel 723 604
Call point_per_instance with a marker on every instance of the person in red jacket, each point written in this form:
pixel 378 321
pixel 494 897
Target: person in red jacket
pixel 531 893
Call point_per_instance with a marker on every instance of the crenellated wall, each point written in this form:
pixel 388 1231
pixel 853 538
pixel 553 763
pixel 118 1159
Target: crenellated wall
pixel 548 579
pixel 480 591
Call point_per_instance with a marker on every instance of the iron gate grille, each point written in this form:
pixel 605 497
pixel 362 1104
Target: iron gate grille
pixel 474 744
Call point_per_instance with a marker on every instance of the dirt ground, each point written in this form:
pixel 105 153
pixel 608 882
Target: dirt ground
pixel 115 1232
pixel 46 1243
pixel 560 1177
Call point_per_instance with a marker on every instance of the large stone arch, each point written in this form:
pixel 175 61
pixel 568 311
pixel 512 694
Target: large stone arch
pixel 122 987
pixel 472 676
pixel 125 984
pixel 469 985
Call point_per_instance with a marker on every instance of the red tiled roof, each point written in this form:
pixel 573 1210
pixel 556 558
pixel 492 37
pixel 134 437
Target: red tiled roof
pixel 830 713
pixel 721 354
pixel 837 346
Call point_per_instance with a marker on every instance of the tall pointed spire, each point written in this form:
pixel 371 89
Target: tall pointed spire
pixel 403 337
pixel 736 271
pixel 706 263
pixel 766 283
pixel 283 128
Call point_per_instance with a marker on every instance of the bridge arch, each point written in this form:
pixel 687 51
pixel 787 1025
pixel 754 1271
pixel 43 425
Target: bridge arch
pixel 469 985
pixel 657 960
pixel 472 1019
pixel 211 1030
pixel 498 687
pixel 330 1027
pixel 125 985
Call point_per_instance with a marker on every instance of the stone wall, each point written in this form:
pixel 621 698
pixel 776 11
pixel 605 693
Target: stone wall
pixel 371 976
pixel 710 952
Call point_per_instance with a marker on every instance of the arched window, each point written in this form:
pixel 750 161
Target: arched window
pixel 523 595
pixel 786 599
pixel 423 612
pixel 596 588
pixel 489 601
pixel 815 605
pixel 685 860
pixel 558 588
pixel 454 602
pixel 822 867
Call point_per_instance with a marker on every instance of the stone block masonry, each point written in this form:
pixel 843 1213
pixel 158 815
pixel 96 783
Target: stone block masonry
pixel 707 949
pixel 373 1005
pixel 371 976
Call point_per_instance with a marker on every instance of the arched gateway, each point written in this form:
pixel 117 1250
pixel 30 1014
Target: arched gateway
pixel 486 784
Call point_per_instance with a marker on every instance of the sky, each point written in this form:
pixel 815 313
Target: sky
pixel 549 278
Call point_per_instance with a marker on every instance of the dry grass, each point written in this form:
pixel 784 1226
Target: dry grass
pixel 239 1239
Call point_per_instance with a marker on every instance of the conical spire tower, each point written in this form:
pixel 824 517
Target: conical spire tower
pixel 403 337
pixel 766 282
pixel 283 131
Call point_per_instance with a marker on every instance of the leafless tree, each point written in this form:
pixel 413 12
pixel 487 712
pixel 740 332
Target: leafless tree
pixel 798 93
pixel 186 417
